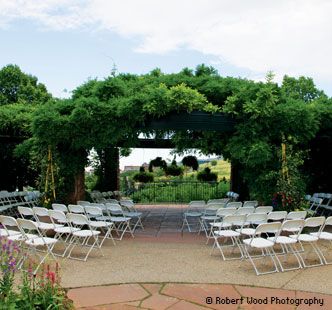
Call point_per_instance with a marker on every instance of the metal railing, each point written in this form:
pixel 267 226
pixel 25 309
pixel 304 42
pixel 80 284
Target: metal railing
pixel 177 191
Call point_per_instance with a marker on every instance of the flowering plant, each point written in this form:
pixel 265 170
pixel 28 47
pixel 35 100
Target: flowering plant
pixel 9 253
pixel 37 291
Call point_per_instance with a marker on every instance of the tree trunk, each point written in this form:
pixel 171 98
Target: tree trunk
pixel 78 192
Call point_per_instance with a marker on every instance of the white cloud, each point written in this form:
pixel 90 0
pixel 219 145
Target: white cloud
pixel 287 36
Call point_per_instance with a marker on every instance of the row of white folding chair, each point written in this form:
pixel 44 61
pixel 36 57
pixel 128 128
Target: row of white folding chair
pixel 28 233
pixel 73 229
pixel 37 212
pixel 217 222
pixel 266 245
pixel 114 213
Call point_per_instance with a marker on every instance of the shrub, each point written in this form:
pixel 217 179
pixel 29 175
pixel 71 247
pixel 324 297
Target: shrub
pixel 143 176
pixel 207 176
pixel 190 161
pixel 157 162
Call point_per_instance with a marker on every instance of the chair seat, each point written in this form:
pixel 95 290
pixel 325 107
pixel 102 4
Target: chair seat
pixel 192 214
pixel 132 214
pixel 305 237
pixel 259 243
pixel 66 229
pixel 100 224
pixel 283 240
pixel 20 237
pixel 119 219
pixel 104 218
pixel 323 235
pixel 220 225
pixel 40 241
pixel 86 233
pixel 210 217
pixel 6 233
pixel 246 231
pixel 47 226
pixel 227 233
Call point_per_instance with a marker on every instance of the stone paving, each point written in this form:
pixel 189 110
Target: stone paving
pixel 176 296
pixel 163 226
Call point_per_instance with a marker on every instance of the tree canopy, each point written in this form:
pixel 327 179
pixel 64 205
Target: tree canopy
pixel 113 111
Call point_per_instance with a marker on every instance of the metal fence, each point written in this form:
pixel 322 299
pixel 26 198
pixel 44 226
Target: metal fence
pixel 177 191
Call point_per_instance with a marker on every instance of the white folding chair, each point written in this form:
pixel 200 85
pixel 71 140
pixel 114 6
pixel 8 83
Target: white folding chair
pixel 250 203
pixel 27 227
pixel 229 221
pixel 245 210
pixel 121 222
pixel 63 233
pixel 219 224
pixel 83 203
pixel 193 212
pixel 264 209
pixel 265 245
pixel 105 227
pixel 325 236
pixel 80 239
pixel 234 204
pixel 312 222
pixel 77 209
pixel 288 244
pixel 277 216
pixel 42 213
pixel 8 223
pixel 296 215
pixel 252 220
pixel 59 207
pixel 209 215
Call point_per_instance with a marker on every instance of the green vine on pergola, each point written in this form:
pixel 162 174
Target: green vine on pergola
pixel 113 112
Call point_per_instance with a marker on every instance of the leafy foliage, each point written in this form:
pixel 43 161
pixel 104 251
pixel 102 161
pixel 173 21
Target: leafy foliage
pixel 207 176
pixel 190 161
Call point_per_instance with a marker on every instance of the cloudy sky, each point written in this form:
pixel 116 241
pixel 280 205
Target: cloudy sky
pixel 65 42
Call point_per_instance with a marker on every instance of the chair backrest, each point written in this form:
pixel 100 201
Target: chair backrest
pixel 57 215
pixel 39 211
pixel 264 209
pixel 215 205
pixel 277 215
pixel 114 208
pixel 59 207
pixel 111 200
pixel 273 228
pixel 256 217
pixel 219 200
pixel 77 219
pixel 25 211
pixel 235 219
pixel 246 210
pixel 27 226
pixel 296 215
pixel 99 205
pixel 83 203
pixel 76 209
pixel 234 204
pixel 328 221
pixel 250 203
pixel 94 211
pixel 226 211
pixel 197 204
pixel 314 221
pixel 293 225
pixel 8 221
pixel 315 202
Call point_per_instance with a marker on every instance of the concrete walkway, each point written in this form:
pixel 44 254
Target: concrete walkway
pixel 149 271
